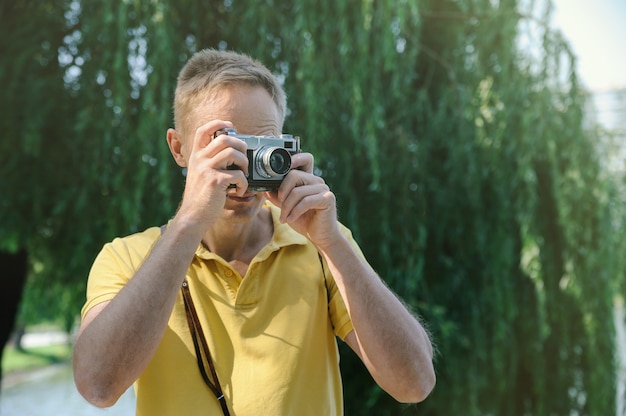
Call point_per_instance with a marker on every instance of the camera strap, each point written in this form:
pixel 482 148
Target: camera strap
pixel 200 341
pixel 200 344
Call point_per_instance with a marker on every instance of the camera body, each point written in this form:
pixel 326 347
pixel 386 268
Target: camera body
pixel 269 158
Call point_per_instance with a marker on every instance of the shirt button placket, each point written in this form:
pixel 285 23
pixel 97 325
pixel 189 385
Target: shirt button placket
pixel 230 282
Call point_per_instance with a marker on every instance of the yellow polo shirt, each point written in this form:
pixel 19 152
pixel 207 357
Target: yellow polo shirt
pixel 271 335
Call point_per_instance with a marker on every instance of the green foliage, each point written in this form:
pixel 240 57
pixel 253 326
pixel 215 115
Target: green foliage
pixel 14 360
pixel 460 159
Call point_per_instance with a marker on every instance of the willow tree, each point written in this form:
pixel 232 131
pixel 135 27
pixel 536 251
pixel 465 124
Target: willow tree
pixel 34 117
pixel 462 163
pixel 460 160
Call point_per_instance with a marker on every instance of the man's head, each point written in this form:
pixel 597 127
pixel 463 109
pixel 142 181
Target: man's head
pixel 210 70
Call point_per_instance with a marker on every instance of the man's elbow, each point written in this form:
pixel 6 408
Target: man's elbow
pixel 418 389
pixel 96 396
pixel 94 389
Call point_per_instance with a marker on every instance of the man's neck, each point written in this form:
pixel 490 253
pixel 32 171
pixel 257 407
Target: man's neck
pixel 240 242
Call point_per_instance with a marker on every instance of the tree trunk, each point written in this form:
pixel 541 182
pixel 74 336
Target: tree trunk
pixel 14 269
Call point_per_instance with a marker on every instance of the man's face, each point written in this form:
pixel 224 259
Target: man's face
pixel 252 111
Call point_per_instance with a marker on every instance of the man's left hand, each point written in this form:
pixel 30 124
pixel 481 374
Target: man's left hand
pixel 306 202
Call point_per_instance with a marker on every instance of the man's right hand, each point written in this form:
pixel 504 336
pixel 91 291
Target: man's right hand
pixel 209 178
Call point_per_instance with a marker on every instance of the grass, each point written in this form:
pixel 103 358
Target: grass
pixel 33 358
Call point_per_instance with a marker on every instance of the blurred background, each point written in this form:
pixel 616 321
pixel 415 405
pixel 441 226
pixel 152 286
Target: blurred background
pixel 476 148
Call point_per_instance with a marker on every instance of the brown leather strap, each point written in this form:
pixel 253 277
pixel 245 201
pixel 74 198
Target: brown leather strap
pixel 197 334
pixel 200 341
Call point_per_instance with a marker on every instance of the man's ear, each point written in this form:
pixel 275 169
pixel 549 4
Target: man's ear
pixel 174 141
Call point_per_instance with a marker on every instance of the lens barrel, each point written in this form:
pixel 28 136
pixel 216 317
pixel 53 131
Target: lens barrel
pixel 272 161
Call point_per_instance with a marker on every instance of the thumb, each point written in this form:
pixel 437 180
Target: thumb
pixel 273 197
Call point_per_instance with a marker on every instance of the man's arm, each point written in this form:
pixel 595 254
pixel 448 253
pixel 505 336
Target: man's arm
pixel 391 342
pixel 117 339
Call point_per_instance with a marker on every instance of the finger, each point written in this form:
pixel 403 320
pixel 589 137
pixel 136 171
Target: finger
pixel 227 160
pixel 299 200
pixel 296 178
pixel 204 133
pixel 272 196
pixel 303 161
pixel 228 153
pixel 222 142
pixel 319 200
pixel 235 183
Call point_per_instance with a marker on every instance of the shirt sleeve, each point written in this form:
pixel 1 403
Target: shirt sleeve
pixel 114 266
pixel 342 323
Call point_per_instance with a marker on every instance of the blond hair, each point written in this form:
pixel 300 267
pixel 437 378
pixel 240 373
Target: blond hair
pixel 210 69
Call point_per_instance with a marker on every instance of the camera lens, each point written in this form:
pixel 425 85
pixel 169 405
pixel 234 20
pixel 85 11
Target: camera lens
pixel 273 161
pixel 278 162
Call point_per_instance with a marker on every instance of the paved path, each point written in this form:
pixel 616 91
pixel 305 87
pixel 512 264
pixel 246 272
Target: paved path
pixel 51 392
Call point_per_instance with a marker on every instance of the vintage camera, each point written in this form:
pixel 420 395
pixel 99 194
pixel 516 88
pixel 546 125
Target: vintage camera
pixel 269 158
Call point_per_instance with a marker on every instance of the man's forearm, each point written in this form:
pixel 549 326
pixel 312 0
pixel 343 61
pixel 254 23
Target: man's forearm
pixel 389 339
pixel 116 342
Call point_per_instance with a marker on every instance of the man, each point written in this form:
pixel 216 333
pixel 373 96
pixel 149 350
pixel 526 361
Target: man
pixel 272 276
